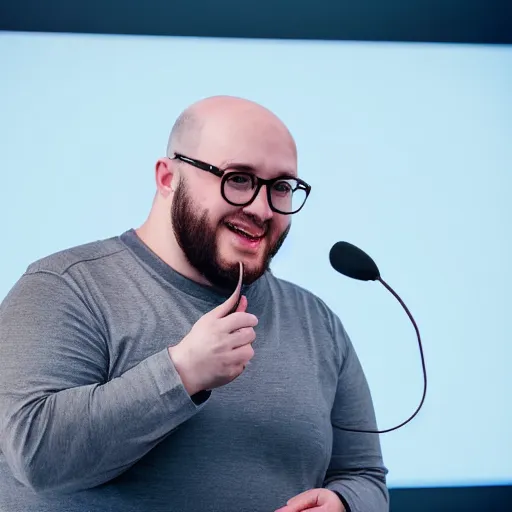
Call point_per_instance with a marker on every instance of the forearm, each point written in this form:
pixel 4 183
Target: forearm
pixel 84 436
pixel 362 491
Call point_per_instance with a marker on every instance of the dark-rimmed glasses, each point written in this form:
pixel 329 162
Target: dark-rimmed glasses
pixel 285 194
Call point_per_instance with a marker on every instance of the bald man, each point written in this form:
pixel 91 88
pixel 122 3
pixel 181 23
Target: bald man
pixel 139 372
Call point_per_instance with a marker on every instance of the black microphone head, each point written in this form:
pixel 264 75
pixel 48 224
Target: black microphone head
pixel 349 260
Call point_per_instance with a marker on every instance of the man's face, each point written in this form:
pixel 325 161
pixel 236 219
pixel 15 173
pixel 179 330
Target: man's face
pixel 207 228
pixel 214 249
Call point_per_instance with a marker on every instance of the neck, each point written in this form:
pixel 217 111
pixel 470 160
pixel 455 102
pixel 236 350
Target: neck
pixel 159 237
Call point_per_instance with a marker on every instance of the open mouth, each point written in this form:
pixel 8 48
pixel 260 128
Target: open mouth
pixel 239 231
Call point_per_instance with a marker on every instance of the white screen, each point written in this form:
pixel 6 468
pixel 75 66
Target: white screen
pixel 408 149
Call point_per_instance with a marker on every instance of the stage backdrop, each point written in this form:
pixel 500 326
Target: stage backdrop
pixel 408 149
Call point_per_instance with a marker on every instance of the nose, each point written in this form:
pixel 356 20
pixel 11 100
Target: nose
pixel 259 207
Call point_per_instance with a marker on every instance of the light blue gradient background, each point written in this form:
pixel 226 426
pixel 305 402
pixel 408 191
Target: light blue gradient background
pixel 409 152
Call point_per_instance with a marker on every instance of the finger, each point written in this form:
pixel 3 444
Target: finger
pixel 242 337
pixel 238 371
pixel 303 501
pixel 235 321
pixel 289 508
pixel 241 357
pixel 230 304
pixel 297 508
pixel 242 306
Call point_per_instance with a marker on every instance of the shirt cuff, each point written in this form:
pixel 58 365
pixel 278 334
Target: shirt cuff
pixel 343 500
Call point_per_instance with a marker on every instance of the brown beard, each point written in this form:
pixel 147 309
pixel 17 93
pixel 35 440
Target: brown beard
pixel 198 241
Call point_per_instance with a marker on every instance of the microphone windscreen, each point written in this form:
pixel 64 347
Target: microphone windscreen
pixel 349 260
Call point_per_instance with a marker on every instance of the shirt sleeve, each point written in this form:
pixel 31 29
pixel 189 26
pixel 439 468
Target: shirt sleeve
pixel 356 471
pixel 63 425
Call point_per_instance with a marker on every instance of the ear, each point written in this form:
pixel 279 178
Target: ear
pixel 166 176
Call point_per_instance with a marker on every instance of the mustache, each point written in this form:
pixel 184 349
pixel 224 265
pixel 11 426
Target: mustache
pixel 250 219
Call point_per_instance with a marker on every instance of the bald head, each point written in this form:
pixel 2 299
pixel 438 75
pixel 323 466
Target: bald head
pixel 185 133
pixel 221 117
pixel 214 225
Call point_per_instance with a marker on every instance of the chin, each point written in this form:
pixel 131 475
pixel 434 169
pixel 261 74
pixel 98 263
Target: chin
pixel 252 262
pixel 230 258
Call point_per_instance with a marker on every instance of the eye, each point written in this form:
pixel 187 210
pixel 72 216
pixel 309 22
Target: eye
pixel 239 178
pixel 283 187
pixel 240 181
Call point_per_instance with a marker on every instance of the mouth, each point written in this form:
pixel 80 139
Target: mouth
pixel 247 233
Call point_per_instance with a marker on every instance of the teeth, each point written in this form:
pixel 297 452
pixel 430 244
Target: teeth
pixel 241 231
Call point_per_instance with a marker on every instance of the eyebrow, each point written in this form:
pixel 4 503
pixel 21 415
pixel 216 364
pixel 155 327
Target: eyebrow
pixel 238 166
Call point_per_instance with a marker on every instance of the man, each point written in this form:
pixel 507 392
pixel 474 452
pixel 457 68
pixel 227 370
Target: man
pixel 127 380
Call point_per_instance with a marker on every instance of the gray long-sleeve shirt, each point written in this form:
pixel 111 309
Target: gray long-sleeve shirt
pixel 94 416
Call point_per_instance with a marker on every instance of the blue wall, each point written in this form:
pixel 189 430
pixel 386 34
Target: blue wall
pixel 408 149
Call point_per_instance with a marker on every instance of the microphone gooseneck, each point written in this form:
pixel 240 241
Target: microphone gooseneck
pixel 349 260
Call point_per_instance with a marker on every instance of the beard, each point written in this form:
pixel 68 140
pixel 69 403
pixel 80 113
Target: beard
pixel 198 241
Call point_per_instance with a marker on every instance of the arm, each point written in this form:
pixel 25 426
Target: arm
pixel 356 472
pixel 63 426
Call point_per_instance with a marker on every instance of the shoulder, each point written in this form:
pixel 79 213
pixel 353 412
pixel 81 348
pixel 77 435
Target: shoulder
pixel 63 281
pixel 61 262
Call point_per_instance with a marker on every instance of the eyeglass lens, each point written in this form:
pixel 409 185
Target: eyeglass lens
pixel 286 195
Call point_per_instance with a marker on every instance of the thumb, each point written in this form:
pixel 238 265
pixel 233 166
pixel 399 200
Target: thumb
pixel 229 304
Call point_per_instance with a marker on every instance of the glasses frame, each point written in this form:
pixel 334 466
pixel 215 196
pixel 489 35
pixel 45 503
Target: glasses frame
pixel 224 175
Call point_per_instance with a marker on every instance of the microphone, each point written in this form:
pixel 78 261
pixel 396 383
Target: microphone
pixel 349 260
